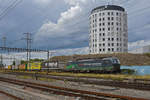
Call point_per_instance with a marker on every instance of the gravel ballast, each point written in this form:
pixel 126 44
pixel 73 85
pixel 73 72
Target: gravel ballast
pixel 89 87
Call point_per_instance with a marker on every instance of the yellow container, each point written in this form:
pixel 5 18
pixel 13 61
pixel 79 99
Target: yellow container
pixel 34 66
pixel 9 67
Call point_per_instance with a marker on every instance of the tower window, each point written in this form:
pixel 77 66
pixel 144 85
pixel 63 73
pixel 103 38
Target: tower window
pixel 117 39
pixel 117 28
pixel 95 15
pixel 95 30
pixel 99 24
pixel 117 23
pixel 117 44
pixel 103 19
pixel 99 14
pixel 117 14
pixel 108 49
pixel 108 13
pixel 112 44
pixel 95 20
pixel 95 45
pixel 103 39
pixel 117 49
pixel 112 49
pixel 103 34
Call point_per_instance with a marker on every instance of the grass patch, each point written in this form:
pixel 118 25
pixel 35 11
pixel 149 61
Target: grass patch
pixel 24 77
pixel 103 76
pixel 92 75
pixel 39 78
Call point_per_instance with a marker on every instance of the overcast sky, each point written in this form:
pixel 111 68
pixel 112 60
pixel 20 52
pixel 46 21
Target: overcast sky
pixel 59 24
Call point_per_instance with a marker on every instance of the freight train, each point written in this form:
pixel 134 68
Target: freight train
pixel 110 64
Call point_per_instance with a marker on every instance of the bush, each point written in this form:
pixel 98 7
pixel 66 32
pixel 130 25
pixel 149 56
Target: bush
pixel 128 71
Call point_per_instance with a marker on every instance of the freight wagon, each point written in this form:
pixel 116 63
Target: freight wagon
pixel 23 67
pixel 34 66
pixel 30 66
pixel 53 66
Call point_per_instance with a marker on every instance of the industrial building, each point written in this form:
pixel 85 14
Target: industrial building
pixel 108 30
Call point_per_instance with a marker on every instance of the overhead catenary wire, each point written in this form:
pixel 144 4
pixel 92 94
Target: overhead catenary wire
pixel 9 8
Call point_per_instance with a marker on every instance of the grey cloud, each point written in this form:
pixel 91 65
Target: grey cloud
pixel 64 23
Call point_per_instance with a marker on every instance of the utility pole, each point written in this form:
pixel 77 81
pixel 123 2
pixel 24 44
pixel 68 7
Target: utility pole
pixel 3 45
pixel 48 55
pixel 28 41
pixel 1 63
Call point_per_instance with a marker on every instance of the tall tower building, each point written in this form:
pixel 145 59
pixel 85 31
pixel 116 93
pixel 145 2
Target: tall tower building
pixel 108 30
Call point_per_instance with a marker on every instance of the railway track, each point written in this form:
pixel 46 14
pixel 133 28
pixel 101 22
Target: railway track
pixel 120 84
pixel 10 95
pixel 87 95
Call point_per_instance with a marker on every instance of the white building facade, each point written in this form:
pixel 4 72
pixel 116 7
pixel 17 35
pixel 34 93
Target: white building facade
pixel 108 30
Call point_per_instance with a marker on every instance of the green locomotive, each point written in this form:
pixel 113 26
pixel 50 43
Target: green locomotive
pixel 111 64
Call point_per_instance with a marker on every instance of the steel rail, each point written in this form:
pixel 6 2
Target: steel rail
pixel 128 85
pixel 10 95
pixel 67 91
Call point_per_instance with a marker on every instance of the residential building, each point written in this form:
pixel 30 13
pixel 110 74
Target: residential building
pixel 108 30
